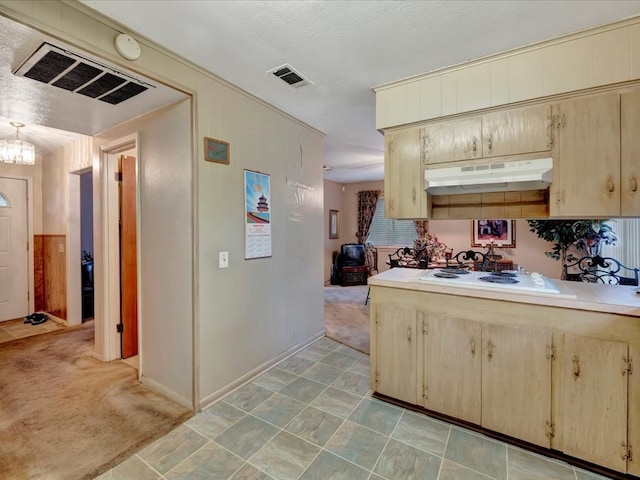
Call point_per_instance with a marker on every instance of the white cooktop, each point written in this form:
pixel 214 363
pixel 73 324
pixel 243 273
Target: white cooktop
pixel 472 280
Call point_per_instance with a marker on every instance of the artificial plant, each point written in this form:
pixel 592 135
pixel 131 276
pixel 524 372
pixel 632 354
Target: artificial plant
pixel 564 234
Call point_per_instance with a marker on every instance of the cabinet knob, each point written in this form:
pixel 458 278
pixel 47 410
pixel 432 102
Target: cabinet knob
pixel 576 367
pixel 473 347
pixel 633 184
pixel 409 334
pixel 610 185
pixel 474 145
pixel 490 142
pixel 489 350
pixel 413 194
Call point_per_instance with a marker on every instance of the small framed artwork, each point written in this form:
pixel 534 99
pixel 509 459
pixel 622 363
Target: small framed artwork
pixel 502 233
pixel 216 151
pixel 334 224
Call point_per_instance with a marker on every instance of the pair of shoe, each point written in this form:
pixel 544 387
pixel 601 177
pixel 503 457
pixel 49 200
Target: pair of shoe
pixel 36 318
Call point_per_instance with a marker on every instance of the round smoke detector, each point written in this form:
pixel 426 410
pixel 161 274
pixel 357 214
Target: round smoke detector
pixel 127 47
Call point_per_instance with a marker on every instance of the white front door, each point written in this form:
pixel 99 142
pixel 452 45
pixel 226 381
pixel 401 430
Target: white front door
pixel 14 264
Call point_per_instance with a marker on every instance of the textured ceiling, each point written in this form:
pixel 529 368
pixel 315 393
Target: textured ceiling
pixel 344 47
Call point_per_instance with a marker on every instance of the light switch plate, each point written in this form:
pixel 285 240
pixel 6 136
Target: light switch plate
pixel 223 260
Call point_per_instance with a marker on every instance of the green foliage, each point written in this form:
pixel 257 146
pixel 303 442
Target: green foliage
pixel 566 233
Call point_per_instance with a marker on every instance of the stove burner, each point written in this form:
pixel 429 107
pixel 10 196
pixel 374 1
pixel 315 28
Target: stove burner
pixel 443 274
pixel 499 279
pixel 457 271
pixel 504 274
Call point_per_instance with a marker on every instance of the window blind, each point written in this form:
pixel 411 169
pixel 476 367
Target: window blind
pixel 627 249
pixel 388 231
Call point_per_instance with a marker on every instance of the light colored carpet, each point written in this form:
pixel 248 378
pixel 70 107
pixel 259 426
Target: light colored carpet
pixel 65 415
pixel 346 317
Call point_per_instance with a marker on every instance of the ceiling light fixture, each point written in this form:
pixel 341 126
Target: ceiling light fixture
pixel 17 151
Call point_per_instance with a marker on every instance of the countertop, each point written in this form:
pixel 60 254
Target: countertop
pixel 618 299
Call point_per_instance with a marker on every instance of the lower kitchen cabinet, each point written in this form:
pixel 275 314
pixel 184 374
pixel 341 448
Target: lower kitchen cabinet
pixel 594 400
pixel 396 359
pixel 451 363
pixel 516 382
pixel 556 378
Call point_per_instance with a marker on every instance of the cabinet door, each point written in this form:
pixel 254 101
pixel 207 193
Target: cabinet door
pixel 516 382
pixel 633 434
pixel 594 400
pixel 630 153
pixel 403 191
pixel 586 167
pixel 516 131
pixel 452 363
pixel 452 141
pixel 396 352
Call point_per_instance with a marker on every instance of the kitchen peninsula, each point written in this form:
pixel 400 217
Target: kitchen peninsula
pixel 553 370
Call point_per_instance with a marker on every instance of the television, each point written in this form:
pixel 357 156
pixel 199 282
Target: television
pixel 352 254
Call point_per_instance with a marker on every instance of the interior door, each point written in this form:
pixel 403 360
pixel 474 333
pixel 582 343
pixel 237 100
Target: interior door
pixel 128 257
pixel 14 260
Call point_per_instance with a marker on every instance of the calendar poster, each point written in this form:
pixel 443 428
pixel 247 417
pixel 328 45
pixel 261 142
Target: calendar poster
pixel 257 200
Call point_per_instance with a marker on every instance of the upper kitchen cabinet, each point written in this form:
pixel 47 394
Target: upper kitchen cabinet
pixel 504 133
pixel 452 141
pixel 630 153
pixel 517 131
pixel 586 153
pixel 403 192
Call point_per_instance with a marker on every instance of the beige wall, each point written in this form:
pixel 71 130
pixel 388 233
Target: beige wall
pixel 333 200
pixel 249 315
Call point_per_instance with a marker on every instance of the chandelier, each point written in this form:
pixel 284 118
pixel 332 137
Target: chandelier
pixel 17 151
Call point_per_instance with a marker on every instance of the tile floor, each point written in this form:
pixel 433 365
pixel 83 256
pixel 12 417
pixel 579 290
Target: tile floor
pixel 13 329
pixel 313 417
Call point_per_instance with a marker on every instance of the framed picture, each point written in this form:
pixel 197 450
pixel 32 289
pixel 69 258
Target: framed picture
pixel 502 233
pixel 216 151
pixel 334 224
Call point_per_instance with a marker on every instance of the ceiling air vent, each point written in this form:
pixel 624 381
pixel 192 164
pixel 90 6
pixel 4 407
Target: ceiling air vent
pixel 291 76
pixel 72 72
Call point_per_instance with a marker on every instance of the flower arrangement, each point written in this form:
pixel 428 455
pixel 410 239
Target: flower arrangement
pixel 428 247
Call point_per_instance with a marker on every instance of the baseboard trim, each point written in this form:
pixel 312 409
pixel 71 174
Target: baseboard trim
pixel 167 392
pixel 210 399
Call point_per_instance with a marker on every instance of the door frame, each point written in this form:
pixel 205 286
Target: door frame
pixel 30 263
pixel 109 263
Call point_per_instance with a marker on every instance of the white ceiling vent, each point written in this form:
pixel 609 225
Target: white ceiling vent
pixel 290 75
pixel 72 72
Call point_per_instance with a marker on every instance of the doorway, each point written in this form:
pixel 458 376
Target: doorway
pixel 122 310
pixel 14 259
pixel 86 245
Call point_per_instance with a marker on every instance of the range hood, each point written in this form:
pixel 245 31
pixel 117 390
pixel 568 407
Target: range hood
pixel 491 177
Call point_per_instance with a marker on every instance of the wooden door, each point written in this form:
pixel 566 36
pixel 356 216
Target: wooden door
pixel 396 353
pixel 404 194
pixel 517 131
pixel 586 167
pixel 452 141
pixel 128 257
pixel 14 262
pixel 594 400
pixel 630 153
pixel 452 364
pixel 516 382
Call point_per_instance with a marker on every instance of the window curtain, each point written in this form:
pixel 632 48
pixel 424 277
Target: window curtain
pixel 367 201
pixel 422 227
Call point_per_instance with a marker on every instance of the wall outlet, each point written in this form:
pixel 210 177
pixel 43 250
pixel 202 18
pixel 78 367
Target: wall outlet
pixel 223 260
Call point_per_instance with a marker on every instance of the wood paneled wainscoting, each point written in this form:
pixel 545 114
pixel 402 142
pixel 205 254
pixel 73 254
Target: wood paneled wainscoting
pixel 50 280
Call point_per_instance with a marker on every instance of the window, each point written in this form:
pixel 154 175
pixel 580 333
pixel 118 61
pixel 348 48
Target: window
pixel 3 201
pixel 626 249
pixel 387 231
